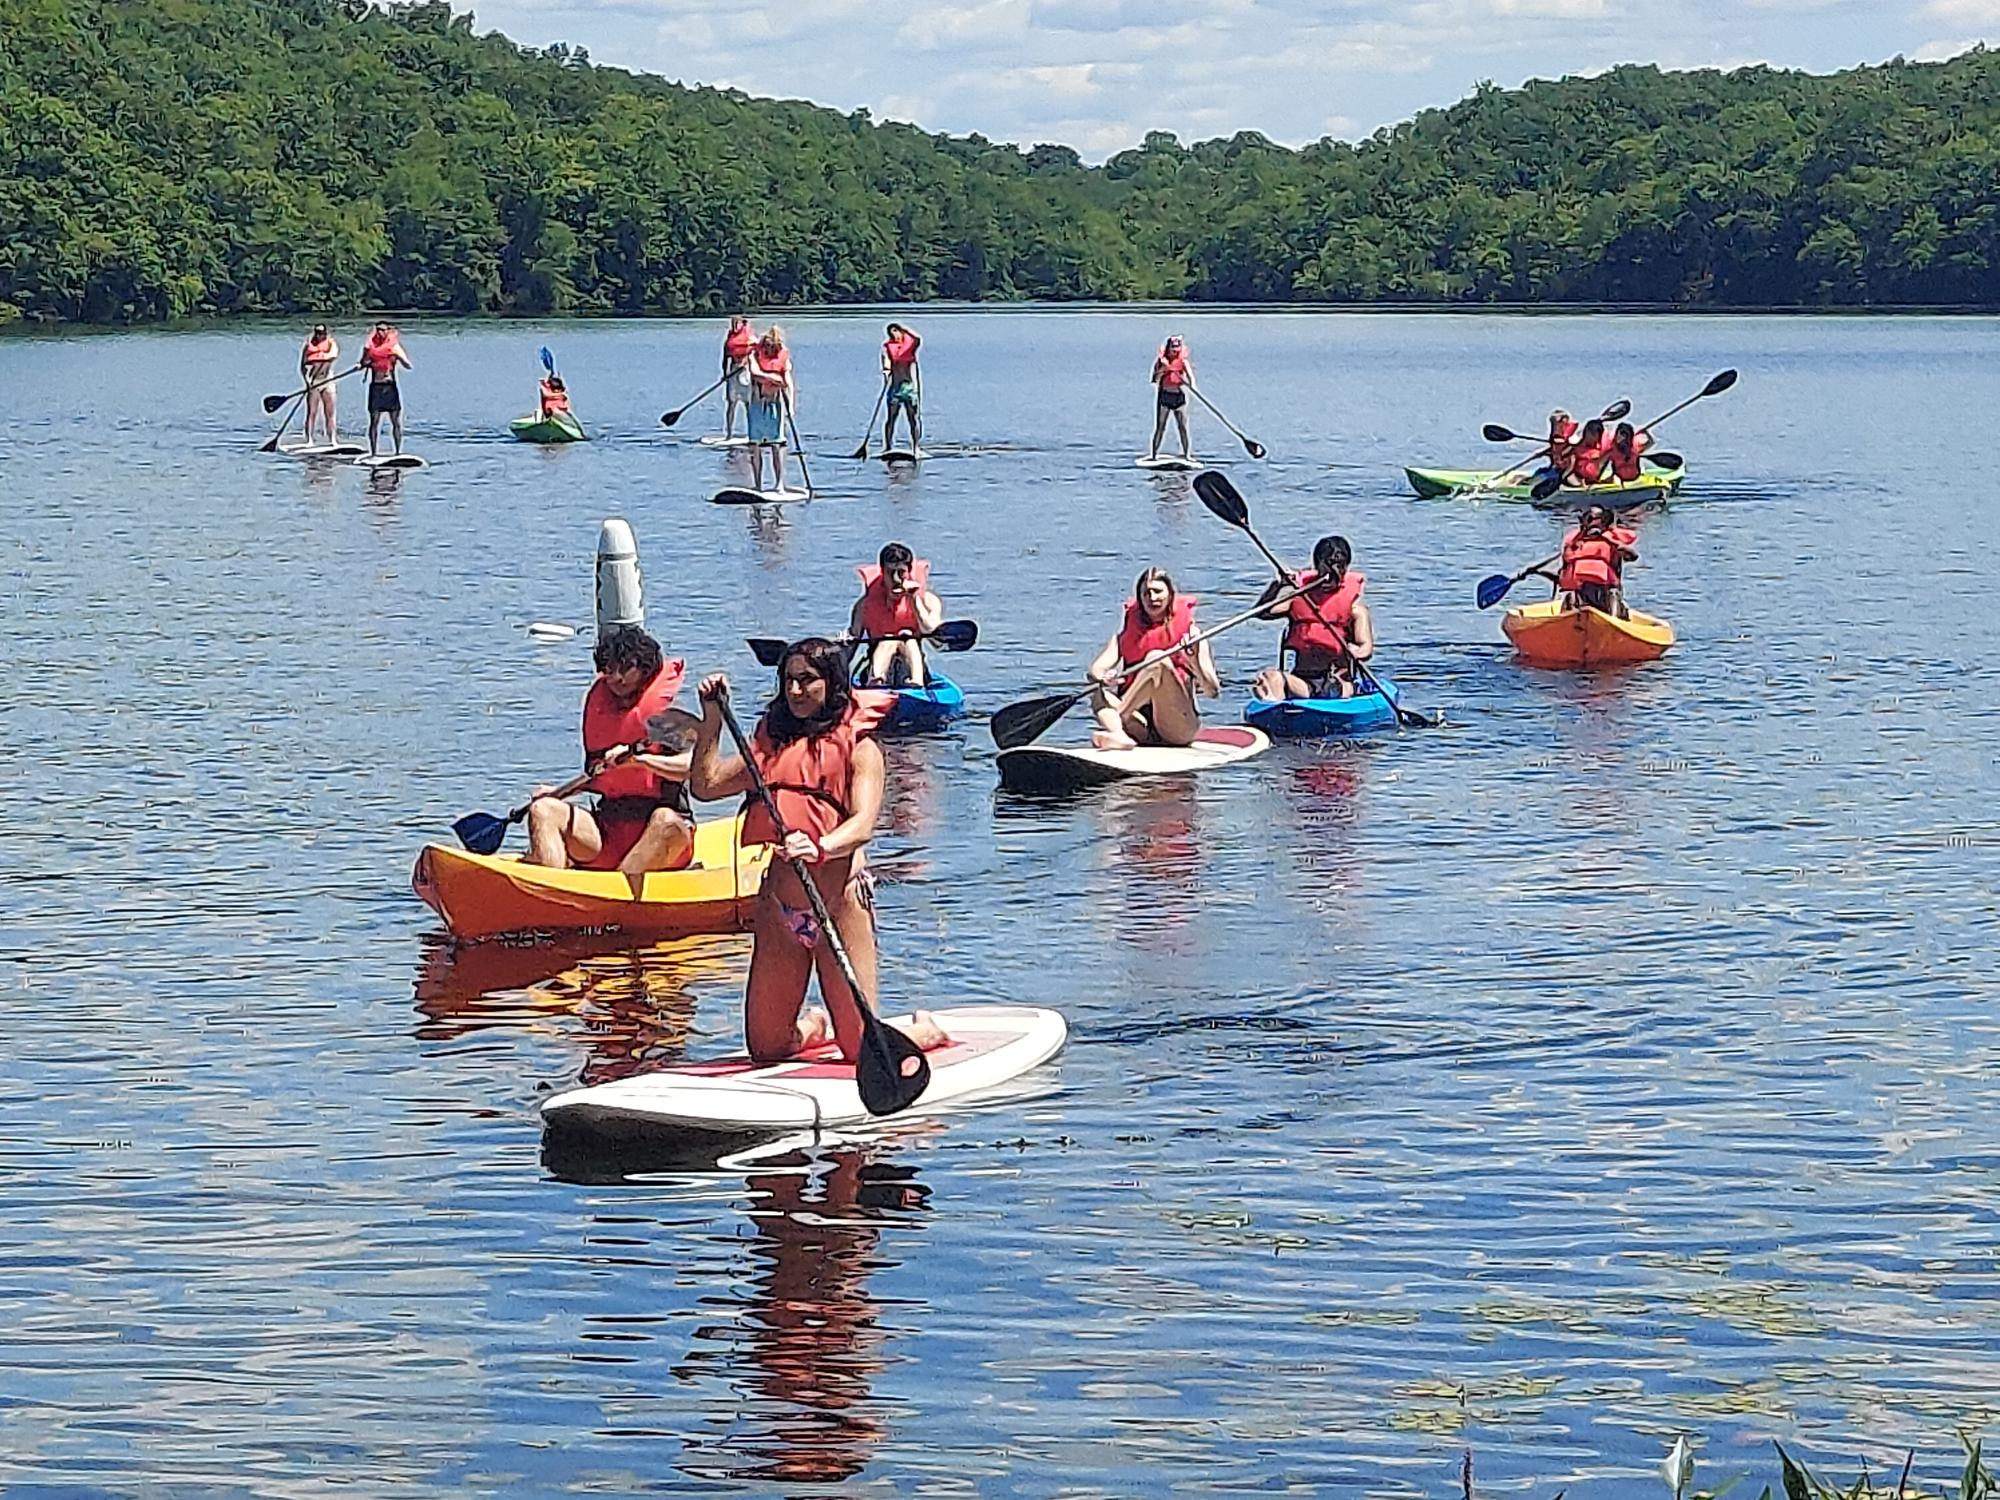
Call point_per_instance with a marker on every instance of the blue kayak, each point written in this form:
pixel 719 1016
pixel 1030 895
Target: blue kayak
pixel 1322 718
pixel 925 708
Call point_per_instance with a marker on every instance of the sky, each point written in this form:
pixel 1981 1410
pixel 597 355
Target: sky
pixel 1098 74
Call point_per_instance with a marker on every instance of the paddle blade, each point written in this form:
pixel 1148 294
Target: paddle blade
pixel 1492 589
pixel 1023 723
pixel 1252 447
pixel 956 635
pixel 1546 486
pixel 668 418
pixel 1617 411
pixel 878 1071
pixel 480 832
pixel 768 651
pixel 1222 498
pixel 1666 460
pixel 270 444
pixel 861 452
pixel 548 360
pixel 272 403
pixel 1493 432
pixel 672 729
pixel 1720 384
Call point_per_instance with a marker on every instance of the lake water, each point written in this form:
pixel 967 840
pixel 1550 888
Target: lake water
pixel 1614 1062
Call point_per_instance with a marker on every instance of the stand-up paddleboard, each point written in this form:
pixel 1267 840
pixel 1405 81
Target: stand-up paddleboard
pixel 735 495
pixel 390 461
pixel 717 440
pixel 902 455
pixel 733 1097
pixel 324 450
pixel 1051 771
pixel 1167 463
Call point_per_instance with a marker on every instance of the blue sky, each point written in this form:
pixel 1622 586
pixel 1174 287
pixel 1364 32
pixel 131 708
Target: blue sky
pixel 1098 74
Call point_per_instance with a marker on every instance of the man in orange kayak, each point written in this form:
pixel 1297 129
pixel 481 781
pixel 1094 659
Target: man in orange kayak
pixel 896 607
pixel 736 347
pixel 1327 628
pixel 643 820
pixel 379 357
pixel 1593 563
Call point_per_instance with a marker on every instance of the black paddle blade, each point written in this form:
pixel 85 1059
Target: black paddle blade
pixel 1617 411
pixel 1023 723
pixel 1222 498
pixel 878 1071
pixel 1492 589
pixel 956 635
pixel 672 729
pixel 1493 432
pixel 1720 384
pixel 1546 486
pixel 1252 447
pixel 768 650
pixel 481 832
pixel 1665 460
pixel 272 403
pixel 668 418
pixel 861 452
pixel 270 444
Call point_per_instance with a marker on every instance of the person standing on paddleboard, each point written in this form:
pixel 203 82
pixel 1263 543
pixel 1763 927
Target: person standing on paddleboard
pixel 895 608
pixel 1173 373
pixel 379 357
pixel 1327 628
pixel 316 370
pixel 906 386
pixel 643 820
pixel 736 347
pixel 825 771
pixel 773 394
pixel 1153 705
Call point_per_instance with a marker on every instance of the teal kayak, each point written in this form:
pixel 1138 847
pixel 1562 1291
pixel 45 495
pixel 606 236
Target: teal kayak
pixel 557 427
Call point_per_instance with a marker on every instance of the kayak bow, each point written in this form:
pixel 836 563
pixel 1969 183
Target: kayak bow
pixel 1547 635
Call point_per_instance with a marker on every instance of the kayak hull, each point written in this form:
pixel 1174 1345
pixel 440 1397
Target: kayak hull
pixel 922 710
pixel 1547 635
pixel 1322 718
pixel 1653 485
pixel 550 429
pixel 486 896
pixel 1044 771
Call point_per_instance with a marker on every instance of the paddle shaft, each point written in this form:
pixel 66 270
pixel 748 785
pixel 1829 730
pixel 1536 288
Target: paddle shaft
pixel 568 789
pixel 1211 633
pixel 1246 442
pixel 678 412
pixel 272 403
pixel 798 447
pixel 868 433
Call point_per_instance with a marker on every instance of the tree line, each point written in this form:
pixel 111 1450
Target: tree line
pixel 166 158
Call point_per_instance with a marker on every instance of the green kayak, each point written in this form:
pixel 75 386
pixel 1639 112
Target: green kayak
pixel 1651 485
pixel 557 428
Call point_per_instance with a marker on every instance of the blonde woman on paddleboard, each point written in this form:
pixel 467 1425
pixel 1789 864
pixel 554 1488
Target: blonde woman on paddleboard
pixel 1173 373
pixel 1152 705
pixel 773 394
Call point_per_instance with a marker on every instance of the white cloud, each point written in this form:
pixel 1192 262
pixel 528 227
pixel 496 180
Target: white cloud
pixel 1569 10
pixel 1943 51
pixel 1965 12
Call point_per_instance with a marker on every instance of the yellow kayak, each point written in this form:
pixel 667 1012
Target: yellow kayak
pixel 1547 635
pixel 482 895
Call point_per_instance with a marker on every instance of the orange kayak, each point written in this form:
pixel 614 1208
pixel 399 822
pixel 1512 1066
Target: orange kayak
pixel 1547 635
pixel 483 896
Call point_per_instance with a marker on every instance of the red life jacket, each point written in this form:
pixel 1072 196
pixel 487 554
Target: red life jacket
pixel 1171 370
pixel 769 379
pixel 379 355
pixel 1562 444
pixel 1588 463
pixel 553 399
pixel 607 723
pixel 901 353
pixel 318 351
pixel 1321 622
pixel 1594 560
pixel 1625 461
pixel 881 617
pixel 1137 640
pixel 737 344
pixel 810 779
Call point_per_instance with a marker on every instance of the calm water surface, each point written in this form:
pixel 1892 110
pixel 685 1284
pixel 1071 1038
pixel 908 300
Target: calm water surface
pixel 1612 1063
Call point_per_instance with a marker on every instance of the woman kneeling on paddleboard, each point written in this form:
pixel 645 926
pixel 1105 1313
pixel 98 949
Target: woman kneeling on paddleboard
pixel 825 772
pixel 1327 628
pixel 1153 705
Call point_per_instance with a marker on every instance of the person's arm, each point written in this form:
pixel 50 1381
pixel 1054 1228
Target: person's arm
pixel 854 619
pixel 864 794
pixel 403 359
pixel 930 611
pixel 1206 681
pixel 711 774
pixel 1105 668
pixel 1270 611
pixel 1159 369
pixel 1361 639
pixel 673 767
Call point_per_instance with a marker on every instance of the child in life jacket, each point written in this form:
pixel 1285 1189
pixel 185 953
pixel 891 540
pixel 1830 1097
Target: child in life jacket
pixel 895 610
pixel 1593 563
pixel 1327 628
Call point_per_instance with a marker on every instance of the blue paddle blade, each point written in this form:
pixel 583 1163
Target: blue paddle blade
pixel 1493 588
pixel 480 832
pixel 548 360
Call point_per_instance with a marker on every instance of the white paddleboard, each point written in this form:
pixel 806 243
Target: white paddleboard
pixel 733 495
pixel 1165 463
pixel 901 455
pixel 1051 770
pixel 390 461
pixel 717 440
pixel 324 450
pixel 991 1045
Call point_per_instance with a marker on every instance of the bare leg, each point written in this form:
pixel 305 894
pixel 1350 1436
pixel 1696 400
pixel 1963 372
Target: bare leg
pixel 777 466
pixel 396 427
pixel 561 834
pixel 1159 430
pixel 1175 719
pixel 756 466
pixel 857 934
pixel 661 846
pixel 1180 421
pixel 779 972
pixel 1109 711
pixel 374 431
pixel 881 656
pixel 912 655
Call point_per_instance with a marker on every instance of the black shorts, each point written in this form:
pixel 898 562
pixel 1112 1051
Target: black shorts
pixel 383 397
pixel 1172 400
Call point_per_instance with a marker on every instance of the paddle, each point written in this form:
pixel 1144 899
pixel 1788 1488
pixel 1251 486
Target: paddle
pixel 673 731
pixel 880 1074
pixel 1493 432
pixel 1250 445
pixel 952 635
pixel 1665 460
pixel 548 360
pixel 1715 387
pixel 798 448
pixel 869 432
pixel 1493 588
pixel 1226 503
pixel 1022 723
pixel 270 444
pixel 668 418
pixel 272 403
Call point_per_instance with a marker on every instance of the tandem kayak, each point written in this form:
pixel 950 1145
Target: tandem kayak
pixel 1652 485
pixel 919 709
pixel 483 896
pixel 1322 718
pixel 557 427
pixel 1047 771
pixel 1547 635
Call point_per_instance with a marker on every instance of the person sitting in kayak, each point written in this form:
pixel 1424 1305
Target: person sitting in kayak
pixel 379 357
pixel 1626 449
pixel 816 751
pixel 642 820
pixel 773 395
pixel 1152 704
pixel 1588 457
pixel 896 607
pixel 1173 373
pixel 1593 563
pixel 316 361
pixel 906 387
pixel 1327 628
pixel 555 397
pixel 736 347
pixel 1561 443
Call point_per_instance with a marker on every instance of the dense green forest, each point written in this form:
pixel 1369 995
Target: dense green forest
pixel 168 157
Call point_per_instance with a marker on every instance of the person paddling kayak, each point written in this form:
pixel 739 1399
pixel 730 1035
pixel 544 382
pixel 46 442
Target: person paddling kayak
pixel 736 347
pixel 642 820
pixel 316 361
pixel 895 601
pixel 1327 628
pixel 1587 457
pixel 379 357
pixel 1156 704
pixel 555 397
pixel 906 386
pixel 825 771
pixel 1627 448
pixel 773 393
pixel 1593 563
pixel 1173 373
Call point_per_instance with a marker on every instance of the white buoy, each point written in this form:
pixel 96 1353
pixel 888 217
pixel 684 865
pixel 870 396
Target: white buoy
pixel 620 594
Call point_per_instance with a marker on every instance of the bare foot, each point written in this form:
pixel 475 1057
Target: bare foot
pixel 1104 739
pixel 815 1029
